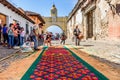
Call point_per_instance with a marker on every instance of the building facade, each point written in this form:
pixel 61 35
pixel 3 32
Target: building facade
pixel 74 19
pixel 37 18
pixel 97 19
pixel 10 14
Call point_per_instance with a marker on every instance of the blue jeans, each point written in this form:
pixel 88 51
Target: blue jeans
pixel 21 40
pixel 5 37
pixel 35 42
pixel 11 40
pixel 16 39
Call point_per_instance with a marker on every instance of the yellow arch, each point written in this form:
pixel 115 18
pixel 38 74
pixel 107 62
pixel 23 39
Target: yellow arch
pixel 60 22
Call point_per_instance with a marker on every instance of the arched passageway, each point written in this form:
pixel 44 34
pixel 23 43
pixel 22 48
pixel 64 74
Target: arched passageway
pixel 55 30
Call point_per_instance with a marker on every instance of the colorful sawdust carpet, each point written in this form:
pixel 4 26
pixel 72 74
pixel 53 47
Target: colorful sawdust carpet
pixel 60 64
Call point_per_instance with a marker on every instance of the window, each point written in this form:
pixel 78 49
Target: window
pixel 31 28
pixel 27 29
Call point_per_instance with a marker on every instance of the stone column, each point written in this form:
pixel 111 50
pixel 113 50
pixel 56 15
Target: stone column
pixel 94 26
pixel 85 24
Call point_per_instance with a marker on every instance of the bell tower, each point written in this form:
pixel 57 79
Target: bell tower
pixel 54 19
pixel 53 11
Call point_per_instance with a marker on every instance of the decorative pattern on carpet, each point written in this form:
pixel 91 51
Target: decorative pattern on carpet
pixel 60 64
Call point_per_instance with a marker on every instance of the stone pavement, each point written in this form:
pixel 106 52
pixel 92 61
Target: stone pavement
pixel 5 52
pixel 106 49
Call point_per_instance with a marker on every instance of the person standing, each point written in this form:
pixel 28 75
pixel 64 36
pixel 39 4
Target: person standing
pixel 16 39
pixel 22 36
pixel 48 39
pixel 0 32
pixel 63 38
pixel 41 35
pixel 76 34
pixel 11 35
pixel 34 37
pixel 5 35
pixel 41 39
pixel 19 30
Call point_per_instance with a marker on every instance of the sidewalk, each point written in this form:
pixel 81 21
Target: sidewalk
pixel 5 52
pixel 108 50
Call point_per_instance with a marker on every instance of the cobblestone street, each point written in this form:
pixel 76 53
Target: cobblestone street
pixel 5 52
pixel 108 50
pixel 102 49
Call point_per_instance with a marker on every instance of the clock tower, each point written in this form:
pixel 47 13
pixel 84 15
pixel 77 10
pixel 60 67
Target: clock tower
pixel 55 19
pixel 53 11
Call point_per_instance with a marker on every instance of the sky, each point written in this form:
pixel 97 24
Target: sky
pixel 54 29
pixel 43 6
pixel 64 7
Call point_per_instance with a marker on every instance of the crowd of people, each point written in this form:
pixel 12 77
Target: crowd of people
pixel 14 35
pixel 45 39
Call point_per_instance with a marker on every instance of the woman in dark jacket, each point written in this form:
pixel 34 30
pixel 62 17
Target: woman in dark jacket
pixel 76 34
pixel 5 35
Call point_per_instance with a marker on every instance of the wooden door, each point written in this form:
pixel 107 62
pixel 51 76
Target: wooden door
pixel 2 19
pixel 90 24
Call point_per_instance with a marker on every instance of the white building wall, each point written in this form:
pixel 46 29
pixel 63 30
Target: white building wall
pixel 72 21
pixel 14 16
pixel 70 28
pixel 68 32
pixel 76 19
pixel 79 17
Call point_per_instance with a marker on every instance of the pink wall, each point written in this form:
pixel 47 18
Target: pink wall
pixel 114 26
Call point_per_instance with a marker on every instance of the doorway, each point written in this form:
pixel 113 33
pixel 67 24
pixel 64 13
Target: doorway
pixel 2 19
pixel 90 24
